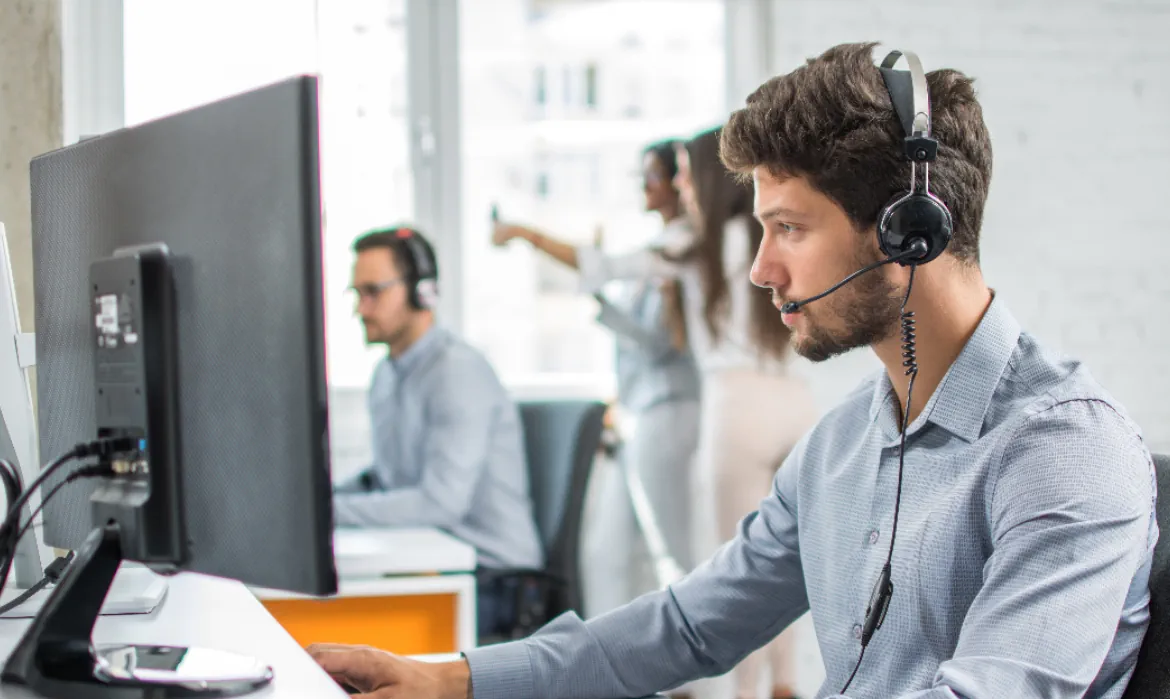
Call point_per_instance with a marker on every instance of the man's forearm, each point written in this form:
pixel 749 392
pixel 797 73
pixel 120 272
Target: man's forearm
pixel 408 507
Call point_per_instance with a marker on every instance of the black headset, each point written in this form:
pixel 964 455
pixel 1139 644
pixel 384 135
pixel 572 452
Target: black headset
pixel 915 227
pixel 915 214
pixel 423 275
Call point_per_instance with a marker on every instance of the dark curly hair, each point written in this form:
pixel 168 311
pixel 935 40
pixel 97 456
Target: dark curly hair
pixel 831 122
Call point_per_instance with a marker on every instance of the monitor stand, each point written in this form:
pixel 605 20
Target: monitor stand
pixel 56 656
pixel 136 590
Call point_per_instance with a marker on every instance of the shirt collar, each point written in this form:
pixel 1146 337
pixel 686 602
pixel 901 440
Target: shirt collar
pixel 964 394
pixel 431 340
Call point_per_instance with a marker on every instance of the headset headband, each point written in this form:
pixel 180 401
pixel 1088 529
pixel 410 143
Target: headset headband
pixel 920 123
pixel 424 267
pixel 911 99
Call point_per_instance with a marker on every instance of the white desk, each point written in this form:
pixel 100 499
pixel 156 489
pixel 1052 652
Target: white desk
pixel 406 590
pixel 218 613
pixel 371 553
pixel 207 612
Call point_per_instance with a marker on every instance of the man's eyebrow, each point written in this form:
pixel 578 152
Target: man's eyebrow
pixel 773 212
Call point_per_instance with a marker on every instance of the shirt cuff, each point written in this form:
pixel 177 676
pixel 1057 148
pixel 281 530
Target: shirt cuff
pixel 501 671
pixel 592 268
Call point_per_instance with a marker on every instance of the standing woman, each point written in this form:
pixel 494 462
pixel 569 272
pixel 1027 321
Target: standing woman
pixel 658 394
pixel 754 408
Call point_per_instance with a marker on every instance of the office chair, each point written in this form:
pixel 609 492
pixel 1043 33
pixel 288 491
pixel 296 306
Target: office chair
pixel 1151 676
pixel 561 439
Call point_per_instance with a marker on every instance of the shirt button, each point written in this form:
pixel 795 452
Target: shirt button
pixel 873 537
pixel 857 631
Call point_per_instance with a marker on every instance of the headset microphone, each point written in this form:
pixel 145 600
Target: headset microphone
pixel 917 248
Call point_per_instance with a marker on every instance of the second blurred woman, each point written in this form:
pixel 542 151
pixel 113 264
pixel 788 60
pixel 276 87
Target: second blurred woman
pixel 753 408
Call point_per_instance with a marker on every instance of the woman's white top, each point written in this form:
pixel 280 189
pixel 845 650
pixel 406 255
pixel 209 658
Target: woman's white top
pixel 735 347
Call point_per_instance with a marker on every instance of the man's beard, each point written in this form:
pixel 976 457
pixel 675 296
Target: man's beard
pixel 868 308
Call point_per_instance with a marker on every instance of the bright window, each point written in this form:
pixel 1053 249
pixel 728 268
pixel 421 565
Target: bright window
pixel 179 54
pixel 559 97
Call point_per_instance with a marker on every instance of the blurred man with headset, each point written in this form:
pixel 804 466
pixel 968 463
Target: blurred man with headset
pixel 447 441
pixel 976 520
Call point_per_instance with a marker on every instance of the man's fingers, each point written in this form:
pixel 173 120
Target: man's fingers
pixel 357 666
pixel 315 649
pixel 334 661
pixel 369 671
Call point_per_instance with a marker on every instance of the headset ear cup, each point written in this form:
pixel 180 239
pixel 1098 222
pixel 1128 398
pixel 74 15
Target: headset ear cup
pixel 426 294
pixel 423 274
pixel 909 216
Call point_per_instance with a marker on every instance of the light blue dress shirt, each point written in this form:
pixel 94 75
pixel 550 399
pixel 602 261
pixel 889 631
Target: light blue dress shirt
pixel 448 453
pixel 1020 568
pixel 650 370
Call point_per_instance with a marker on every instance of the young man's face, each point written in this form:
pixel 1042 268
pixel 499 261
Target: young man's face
pixel 809 245
pixel 382 297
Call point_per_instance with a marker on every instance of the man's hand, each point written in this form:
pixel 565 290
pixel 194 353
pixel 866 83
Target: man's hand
pixel 378 674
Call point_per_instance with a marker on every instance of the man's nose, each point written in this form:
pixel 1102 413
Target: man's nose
pixel 768 272
pixel 364 305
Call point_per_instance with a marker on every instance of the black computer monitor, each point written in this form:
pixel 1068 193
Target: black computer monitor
pixel 178 275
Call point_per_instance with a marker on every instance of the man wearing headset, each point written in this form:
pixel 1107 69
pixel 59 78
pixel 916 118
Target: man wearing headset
pixel 975 521
pixel 447 443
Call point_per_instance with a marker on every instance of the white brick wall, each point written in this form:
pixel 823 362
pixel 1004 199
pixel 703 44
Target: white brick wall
pixel 1076 94
pixel 1077 232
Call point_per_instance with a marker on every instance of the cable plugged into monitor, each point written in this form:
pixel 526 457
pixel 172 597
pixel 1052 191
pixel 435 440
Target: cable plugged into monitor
pixel 11 531
pixel 136 507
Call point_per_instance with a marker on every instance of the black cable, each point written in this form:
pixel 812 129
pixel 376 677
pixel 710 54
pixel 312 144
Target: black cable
pixel 35 589
pixel 9 528
pixel 87 472
pixel 98 448
pixel 10 533
pixel 13 483
pixel 917 250
pixel 53 573
pixel 56 569
pixel 855 667
pixel 13 488
pixel 880 598
pixel 910 362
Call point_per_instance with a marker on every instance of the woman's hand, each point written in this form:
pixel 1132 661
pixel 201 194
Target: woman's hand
pixel 503 233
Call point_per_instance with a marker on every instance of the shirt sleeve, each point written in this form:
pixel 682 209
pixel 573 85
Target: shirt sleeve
pixel 651 334
pixel 701 626
pixel 461 412
pixel 355 483
pixel 597 269
pixel 1071 525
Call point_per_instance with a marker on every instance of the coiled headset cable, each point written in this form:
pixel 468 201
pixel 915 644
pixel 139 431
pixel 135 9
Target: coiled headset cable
pixel 879 599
